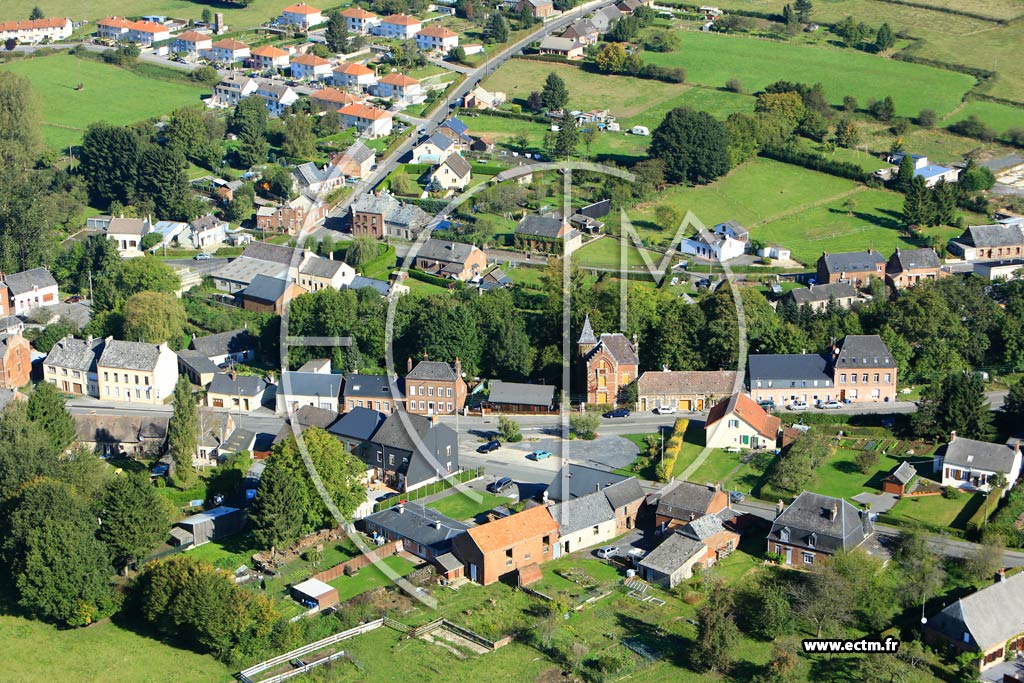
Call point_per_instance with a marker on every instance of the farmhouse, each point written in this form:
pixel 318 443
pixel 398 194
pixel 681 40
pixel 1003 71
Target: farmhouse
pixel 814 527
pixel 907 267
pixel 492 550
pixel 547 234
pixel 611 364
pixel 820 297
pixel 970 464
pixel 410 451
pixel 450 260
pixel 424 532
pixel 684 390
pixel 996 241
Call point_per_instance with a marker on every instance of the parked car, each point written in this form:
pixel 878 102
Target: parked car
pixel 539 455
pixel 387 496
pixel 203 257
pixel 768 405
pixel 736 497
pixel 491 445
pixel 798 405
pixel 73 299
pixel 665 410
pixel 618 412
pixel 499 485
pixel 830 405
pixel 298 663
pixel 608 552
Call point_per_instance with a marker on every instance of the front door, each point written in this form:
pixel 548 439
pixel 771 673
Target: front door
pixel 472 572
pixel 78 388
pixel 789 556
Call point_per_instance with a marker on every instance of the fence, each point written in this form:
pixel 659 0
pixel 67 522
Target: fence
pixel 360 561
pixel 246 675
pixel 431 488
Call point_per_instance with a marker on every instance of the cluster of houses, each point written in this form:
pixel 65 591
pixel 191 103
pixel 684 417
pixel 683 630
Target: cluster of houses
pixel 206 233
pixel 35 31
pixel 586 31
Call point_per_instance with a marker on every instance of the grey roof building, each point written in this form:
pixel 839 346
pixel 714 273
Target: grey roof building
pixel 432 370
pixel 970 454
pixel 357 425
pixel 703 528
pixel 519 394
pixel 576 481
pixel 687 501
pixel 623 493
pixel 445 250
pixel 998 235
pixel 842 292
pixel 541 226
pixel 425 532
pixel 849 262
pixel 238 385
pixel 581 513
pixel 310 384
pixel 29 280
pixel 265 289
pixel 787 370
pixel 458 165
pixel 407 462
pixel 985 619
pixel 821 524
pixel 243 270
pixel 360 386
pixel 672 561
pixel 231 343
pixel 276 253
pixel 863 351
pixel 382 287
pixel 128 355
pixel 321 267
pixel 75 354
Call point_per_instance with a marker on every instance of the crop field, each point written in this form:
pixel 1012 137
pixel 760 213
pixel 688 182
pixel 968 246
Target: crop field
pixel 712 59
pixel 109 94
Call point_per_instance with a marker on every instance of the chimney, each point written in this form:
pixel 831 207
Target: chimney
pixel 834 512
pixel 458 367
pixel 193 335
pixel 409 364
pixel 401 507
pixel 436 524
pixel 424 354
pixel 779 507
pixel 664 368
pixel 88 340
pixel 952 436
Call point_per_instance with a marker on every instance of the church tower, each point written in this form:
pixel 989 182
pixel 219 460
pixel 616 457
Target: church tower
pixel 587 340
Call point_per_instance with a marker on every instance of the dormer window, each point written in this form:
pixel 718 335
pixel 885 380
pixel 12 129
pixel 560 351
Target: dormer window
pixel 812 540
pixel 784 534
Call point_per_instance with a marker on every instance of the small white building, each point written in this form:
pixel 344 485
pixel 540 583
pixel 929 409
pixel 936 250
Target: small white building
pixel 400 26
pixel 227 51
pixel 301 15
pixel 232 89
pixel 584 522
pixel 127 233
pixel 740 423
pixel 30 289
pixel 970 464
pixel 298 389
pixel 454 173
pixel 207 231
pixel 354 76
pixel 932 173
pixel 437 38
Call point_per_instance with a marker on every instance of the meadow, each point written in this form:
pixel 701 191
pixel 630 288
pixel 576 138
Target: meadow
pixel 713 58
pixel 109 94
pixel 236 14
pixel 1001 117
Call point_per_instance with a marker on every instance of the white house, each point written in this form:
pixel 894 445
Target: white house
pixel 127 233
pixel 276 97
pixel 400 26
pixel 146 33
pixel 232 88
pixel 399 87
pixel 584 522
pixel 32 31
pixel 29 289
pixel 227 51
pixel 740 423
pixel 434 149
pixel 316 389
pixel 775 252
pixel 301 15
pixel 932 173
pixel 113 28
pixel 191 43
pixel 359 20
pixel 268 57
pixel 310 68
pixel 354 76
pixel 437 38
pixel 969 464
pixel 454 173
pixel 371 120
pixel 207 231
pixel 136 372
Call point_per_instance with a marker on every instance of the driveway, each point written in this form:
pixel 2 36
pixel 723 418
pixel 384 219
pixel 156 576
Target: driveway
pixel 877 502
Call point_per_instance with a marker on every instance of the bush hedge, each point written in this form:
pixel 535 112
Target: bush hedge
pixel 672 448
pixel 984 513
pixel 816 162
pixel 434 280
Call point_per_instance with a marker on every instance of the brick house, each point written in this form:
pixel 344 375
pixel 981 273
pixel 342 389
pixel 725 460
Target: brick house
pixel 369 391
pixel 268 294
pixel 814 527
pixel 684 389
pixel 434 388
pixel 453 260
pixel 291 217
pixel 718 541
pixel 540 9
pixel 626 498
pixel 611 364
pixel 907 267
pixel 686 502
pixel 863 369
pixel 492 550
pixel 898 481
pixel 381 215
pixel 855 267
pixel 15 361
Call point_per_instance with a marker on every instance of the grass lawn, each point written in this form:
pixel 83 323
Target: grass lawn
pixel 423 288
pixel 939 510
pixel 35 652
pixel 66 111
pixel 238 15
pixel 370 577
pixel 228 553
pixel 525 276
pixel 717 467
pixel 460 506
pixel 999 116
pixel 607 253
pixel 714 58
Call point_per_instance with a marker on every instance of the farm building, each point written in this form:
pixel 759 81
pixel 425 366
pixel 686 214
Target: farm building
pixel 208 526
pixel 315 594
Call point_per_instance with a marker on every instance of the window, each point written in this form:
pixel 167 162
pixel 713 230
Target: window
pixel 449 407
pixel 508 557
pixel 136 379
pixel 430 391
pixel 808 558
pixel 378 406
pixel 391 459
pixel 448 450
pixel 888 378
pixel 423 406
pixel 784 534
pixel 876 378
pixel 449 392
pixel 733 424
pixel 746 439
pixel 597 530
pixel 546 544
pixel 380 456
pixel 526 557
pixel 864 378
pixel 853 378
pixel 412 390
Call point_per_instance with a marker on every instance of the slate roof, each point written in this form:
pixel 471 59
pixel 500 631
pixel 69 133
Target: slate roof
pixel 581 27
pixel 394 434
pixel 322 267
pixel 75 354
pixel 224 343
pixel 265 288
pixel 623 493
pixel 444 250
pixel 264 251
pixel 993 235
pixel 433 370
pixel 581 513
pixel 904 473
pixel 359 424
pixel 360 282
pixel 686 498
pixel 375 203
pixel 909 259
pixel 580 481
pixel 542 226
pixel 457 126
pixel 721 382
pixel 128 355
pixel 992 615
pixel 744 408
pixel 27 280
pixel 372 386
pixel 852 261
pixel 587 335
pixel 127 226
pixel 197 362
pixel 119 428
pixel 807 521
pixel 448 562
pixel 524 394
pixel 672 553
pixel 309 384
pixel 864 351
pixel 440 141
pixel 621 349
pixel 508 531
pixel 244 269
pixel 557 43
pixel 820 293
pixel 241 385
pixel 420 524
pixel 969 453
pixel 787 366
pixel 458 165
pixel 703 528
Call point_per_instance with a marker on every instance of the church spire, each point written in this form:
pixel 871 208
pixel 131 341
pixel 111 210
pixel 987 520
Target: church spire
pixel 587 336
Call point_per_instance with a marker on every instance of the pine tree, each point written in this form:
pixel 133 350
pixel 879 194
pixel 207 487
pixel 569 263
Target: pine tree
pixel 337 33
pixel 944 199
pixel 789 15
pixel 905 175
pixel 276 519
pixel 803 10
pixel 132 519
pixel 555 94
pixel 497 28
pixel 884 39
pixel 567 140
pixel 183 433
pixel 46 407
pixel 917 205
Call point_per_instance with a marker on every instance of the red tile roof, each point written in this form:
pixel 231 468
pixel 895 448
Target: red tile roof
pixel 363 111
pixel 507 531
pixel 310 60
pixel 399 79
pixel 114 22
pixel 230 44
pixel 29 24
pixel 744 407
pixel 438 32
pixel 334 95
pixel 192 36
pixel 358 13
pixel 401 20
pixel 301 8
pixel 269 51
pixel 148 27
pixel 353 70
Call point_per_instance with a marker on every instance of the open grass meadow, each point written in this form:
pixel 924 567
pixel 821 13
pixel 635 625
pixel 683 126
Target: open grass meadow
pixel 607 253
pixel 237 14
pixel 35 652
pixel 713 58
pixel 110 94
pixel 1001 117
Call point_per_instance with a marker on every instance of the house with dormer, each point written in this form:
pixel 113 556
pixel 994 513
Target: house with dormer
pixel 611 363
pixel 814 527
pixel 855 267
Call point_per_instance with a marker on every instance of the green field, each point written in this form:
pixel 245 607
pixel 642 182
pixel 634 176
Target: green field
pixel 370 577
pixel 607 253
pixel 110 94
pixel 999 116
pixel 459 506
pixel 238 15
pixel 713 58
pixel 35 652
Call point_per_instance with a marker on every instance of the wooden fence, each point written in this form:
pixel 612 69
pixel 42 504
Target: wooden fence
pixel 246 676
pixel 360 561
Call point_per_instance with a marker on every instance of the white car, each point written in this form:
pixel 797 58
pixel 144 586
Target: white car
pixel 798 405
pixel 830 405
pixel 607 552
pixel 665 410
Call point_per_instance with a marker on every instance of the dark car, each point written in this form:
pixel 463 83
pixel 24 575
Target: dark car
pixel 618 412
pixel 499 485
pixel 386 496
pixel 768 405
pixel 491 445
pixel 73 299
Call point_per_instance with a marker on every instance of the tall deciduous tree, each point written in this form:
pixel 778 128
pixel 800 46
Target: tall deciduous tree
pixel 46 408
pixel 360 250
pixel 497 28
pixel 955 403
pixel 299 138
pixel 183 433
pixel 133 520
pixel 21 141
pixel 26 450
pixel 276 519
pixel 714 649
pixel 109 162
pixel 693 145
pixel 154 318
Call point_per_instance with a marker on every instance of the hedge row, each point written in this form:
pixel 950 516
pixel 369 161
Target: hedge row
pixel 981 74
pixel 386 259
pixel 984 512
pixel 505 114
pixel 672 448
pixel 947 10
pixel 434 280
pixel 816 162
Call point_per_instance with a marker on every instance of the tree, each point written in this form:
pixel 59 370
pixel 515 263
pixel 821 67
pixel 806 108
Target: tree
pixel 252 148
pixel 360 250
pixel 823 599
pixel 207 16
pixel 624 30
pixel 771 613
pixel 977 178
pixel 944 202
pixel 956 403
pixel 60 570
pixel 337 33
pixel 154 318
pixel 534 102
pixel 183 433
pixel 803 8
pixel 299 139
pixel 497 28
pixel 610 58
pixel 884 39
pixel 661 41
pixel 554 95
pixel 567 140
pixel 734 85
pixel 46 408
pixel 847 133
pixel 340 472
pixel 508 430
pixel 109 162
pixel 276 520
pixel 241 205
pixel 584 425
pixel 789 15
pixel 37 13
pixel 920 567
pixel 883 109
pixel 133 520
pixel 717 634
pixel 21 141
pixel 694 146
pixel 163 180
pixel 250 115
pixel 985 559
pixel 278 182
pixel 1013 404
pixel 918 207
pixel 905 174
pixel 927 118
